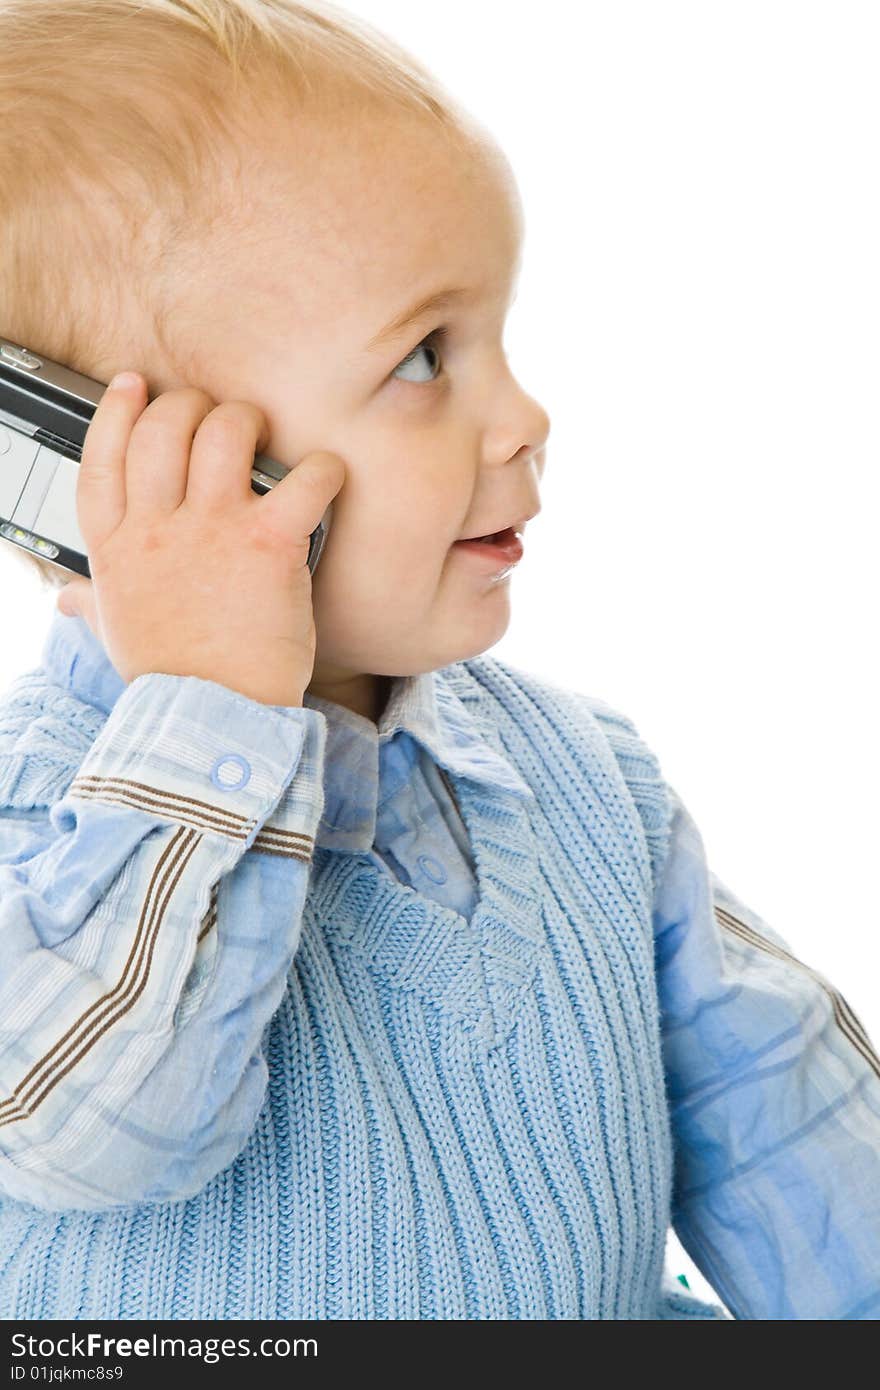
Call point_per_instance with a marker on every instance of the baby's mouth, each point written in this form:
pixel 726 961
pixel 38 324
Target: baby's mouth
pixel 496 538
pixel 503 545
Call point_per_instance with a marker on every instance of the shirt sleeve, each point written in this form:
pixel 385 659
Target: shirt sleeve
pixel 774 1094
pixel 148 920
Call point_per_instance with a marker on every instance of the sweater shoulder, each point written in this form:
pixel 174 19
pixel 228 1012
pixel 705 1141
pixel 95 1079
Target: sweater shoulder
pixel 488 686
pixel 45 734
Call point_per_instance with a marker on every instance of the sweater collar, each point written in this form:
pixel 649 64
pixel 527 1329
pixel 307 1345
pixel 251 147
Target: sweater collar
pixel 364 763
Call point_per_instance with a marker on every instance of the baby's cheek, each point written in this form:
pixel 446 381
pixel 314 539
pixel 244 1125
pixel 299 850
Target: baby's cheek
pixel 378 565
pixel 365 578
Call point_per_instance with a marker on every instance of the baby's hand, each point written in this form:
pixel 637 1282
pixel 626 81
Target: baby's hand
pixel 193 573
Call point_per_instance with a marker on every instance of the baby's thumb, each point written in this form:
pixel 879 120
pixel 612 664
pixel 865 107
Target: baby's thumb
pixel 75 600
pixel 65 603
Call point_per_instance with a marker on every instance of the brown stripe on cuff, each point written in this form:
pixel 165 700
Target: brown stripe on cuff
pixel 202 816
pixel 289 843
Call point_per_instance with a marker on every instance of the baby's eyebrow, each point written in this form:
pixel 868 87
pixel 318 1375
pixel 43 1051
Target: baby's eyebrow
pixel 438 299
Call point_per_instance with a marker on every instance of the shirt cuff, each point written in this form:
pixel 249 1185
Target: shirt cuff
pixel 194 752
pixel 300 807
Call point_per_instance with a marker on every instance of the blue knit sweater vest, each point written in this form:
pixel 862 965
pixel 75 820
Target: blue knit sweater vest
pixel 463 1120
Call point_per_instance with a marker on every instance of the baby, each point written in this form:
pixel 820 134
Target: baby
pixel 347 972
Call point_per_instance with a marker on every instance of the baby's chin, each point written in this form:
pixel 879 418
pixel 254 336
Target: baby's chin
pixel 480 623
pixel 435 645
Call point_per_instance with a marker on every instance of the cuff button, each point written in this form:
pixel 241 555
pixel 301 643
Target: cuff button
pixel 224 770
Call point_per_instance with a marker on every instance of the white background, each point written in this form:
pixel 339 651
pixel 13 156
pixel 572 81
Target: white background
pixel 699 313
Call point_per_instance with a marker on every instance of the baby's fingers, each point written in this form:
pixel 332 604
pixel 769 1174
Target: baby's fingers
pixel 100 488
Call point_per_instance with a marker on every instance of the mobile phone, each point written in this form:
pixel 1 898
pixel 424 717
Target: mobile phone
pixel 45 411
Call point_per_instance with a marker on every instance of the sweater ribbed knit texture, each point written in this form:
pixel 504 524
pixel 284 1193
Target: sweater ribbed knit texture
pixel 463 1119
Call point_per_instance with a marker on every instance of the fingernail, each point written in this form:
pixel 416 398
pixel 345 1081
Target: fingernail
pixel 123 380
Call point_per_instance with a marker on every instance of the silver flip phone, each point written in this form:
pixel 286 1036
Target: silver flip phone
pixel 45 411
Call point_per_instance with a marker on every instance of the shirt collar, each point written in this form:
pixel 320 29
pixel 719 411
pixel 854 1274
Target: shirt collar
pixel 362 762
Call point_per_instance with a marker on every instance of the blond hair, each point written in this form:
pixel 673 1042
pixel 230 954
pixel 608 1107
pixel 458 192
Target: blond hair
pixel 117 135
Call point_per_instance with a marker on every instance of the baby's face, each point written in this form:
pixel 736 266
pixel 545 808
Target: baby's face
pixel 438 438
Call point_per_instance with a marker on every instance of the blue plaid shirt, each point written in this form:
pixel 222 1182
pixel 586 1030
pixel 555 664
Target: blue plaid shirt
pixel 119 1024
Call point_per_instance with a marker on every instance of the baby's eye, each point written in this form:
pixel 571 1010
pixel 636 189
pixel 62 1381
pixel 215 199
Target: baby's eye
pixel 427 345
